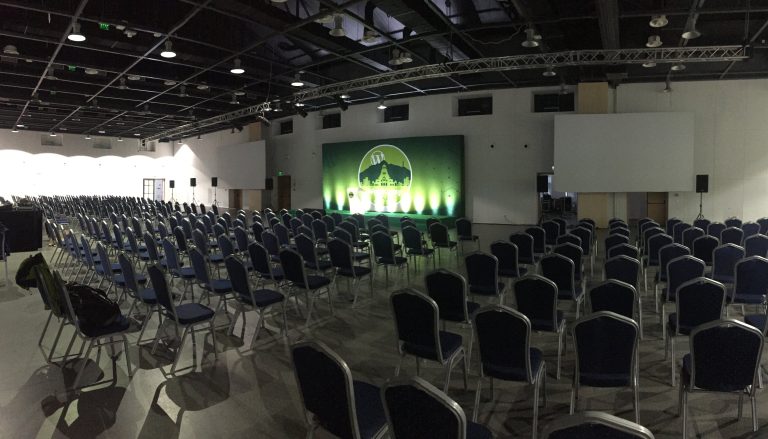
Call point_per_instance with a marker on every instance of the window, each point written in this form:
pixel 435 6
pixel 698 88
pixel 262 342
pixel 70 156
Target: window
pixel 331 121
pixel 476 106
pixel 553 102
pixel 396 113
pixel 286 126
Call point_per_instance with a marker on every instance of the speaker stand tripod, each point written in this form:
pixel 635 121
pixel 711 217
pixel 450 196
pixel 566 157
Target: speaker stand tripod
pixel 215 202
pixel 701 203
pixel 193 195
pixel 172 199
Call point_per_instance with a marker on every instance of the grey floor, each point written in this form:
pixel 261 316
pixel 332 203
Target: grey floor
pixel 253 393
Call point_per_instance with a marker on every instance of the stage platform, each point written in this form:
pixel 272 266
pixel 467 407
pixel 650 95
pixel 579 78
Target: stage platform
pixel 394 218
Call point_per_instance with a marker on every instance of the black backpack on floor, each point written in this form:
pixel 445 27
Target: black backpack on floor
pixel 92 306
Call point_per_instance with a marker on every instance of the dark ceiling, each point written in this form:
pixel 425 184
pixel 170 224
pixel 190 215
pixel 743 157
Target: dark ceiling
pixel 116 83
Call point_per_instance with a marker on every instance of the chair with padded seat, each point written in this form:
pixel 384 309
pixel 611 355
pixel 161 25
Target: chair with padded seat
pixel 416 409
pixel 539 236
pixel 671 224
pixel 613 240
pixel 504 342
pixel 483 275
pixel 733 222
pixel 415 245
pixel 691 234
pixel 305 245
pixel 623 268
pixel 711 368
pixel 585 235
pixel 525 248
pixel 732 235
pixel 704 247
pixel 449 291
pixel 679 271
pixel 651 257
pixel 219 287
pixel 750 229
pixel 536 298
pixel 750 285
pixel 623 250
pixel 606 346
pixel 678 229
pixel 702 223
pixel 438 234
pixel 358 256
pixel 666 254
pixel 343 262
pixel 698 301
pixel 417 329
pixel 507 256
pixel 263 267
pixel 715 229
pixel 756 245
pixel 385 254
pixel 464 233
pixel 568 238
pixel 618 297
pixel 724 259
pixel 312 285
pixel 552 231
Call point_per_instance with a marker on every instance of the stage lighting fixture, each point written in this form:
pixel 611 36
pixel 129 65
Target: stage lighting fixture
pixel 168 51
pixel 75 35
pixel 679 67
pixel 301 112
pixel 550 72
pixel 381 105
pixel 653 41
pixel 297 82
pixel 338 28
pixel 658 21
pixel 690 30
pixel 341 103
pixel 531 38
pixel 119 139
pixel 237 69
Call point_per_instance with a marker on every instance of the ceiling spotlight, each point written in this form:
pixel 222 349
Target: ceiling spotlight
pixel 648 64
pixel 531 38
pixel 10 49
pixel 324 19
pixel 395 60
pixel 237 69
pixel 15 130
pixel 679 67
pixel 239 93
pixel 20 125
pixel 183 91
pixel 122 85
pixel 405 57
pixel 300 104
pixel 75 35
pixel 168 52
pixel 338 29
pixel 234 100
pixel 102 132
pixel 279 1
pixel 52 134
pixel 658 21
pixel 301 112
pixel 119 139
pixel 130 33
pixel 690 31
pixel 344 96
pixel 550 72
pixel 87 137
pixel 341 103
pixel 381 105
pixel 297 82
pixel 202 86
pixel 91 71
pixel 169 82
pixel 137 134
pixel 134 77
pixel 653 41
pixel 370 36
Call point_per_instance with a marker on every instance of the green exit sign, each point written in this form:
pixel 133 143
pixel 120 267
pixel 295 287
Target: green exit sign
pixel 104 26
pixel 279 173
pixel 71 68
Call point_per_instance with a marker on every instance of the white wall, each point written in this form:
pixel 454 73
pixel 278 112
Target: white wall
pixel 75 168
pixel 500 182
pixel 730 142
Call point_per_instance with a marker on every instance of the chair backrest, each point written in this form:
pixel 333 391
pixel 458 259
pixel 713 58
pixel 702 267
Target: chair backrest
pixel 269 239
pixel 306 248
pixel 733 222
pixel 322 376
pixel 258 229
pixel 699 301
pixel 416 318
pixel 552 231
pixel 340 253
pixel 152 250
pixel 281 232
pixel 106 263
pixel 349 227
pixel 181 239
pixel 621 230
pixel 507 256
pixel 560 270
pixel 655 243
pixel 704 246
pixel 260 260
pixel 649 233
pixel 594 425
pixel 536 297
pixel 585 235
pixel 615 239
pixel 160 286
pixel 724 259
pixel 439 233
pixel 129 274
pixel 756 245
pixel 307 219
pixel 563 225
pixel 330 223
pixel 449 291
pixel 200 241
pixel 715 229
pixel 482 270
pixel 429 223
pixel 623 268
pixel 295 223
pixel 605 344
pixel 241 238
pixel 539 236
pixel 671 224
pixel 669 252
pixel 171 256
pixel 504 338
pixel 702 223
pixel 524 244
pixel 732 235
pixel 319 229
pixel 716 368
pixel 690 234
pixel 572 252
pixel 464 228
pixel 225 245
pixel 615 296
pixel 383 247
pixel 568 238
pixel 750 228
pixel 682 269
pixel 623 249
pixel 763 222
pixel 383 219
pixel 416 409
pixel 307 231
pixel 200 267
pixel 293 267
pixel 677 231
pixel 342 234
pixel 751 277
pixel 238 275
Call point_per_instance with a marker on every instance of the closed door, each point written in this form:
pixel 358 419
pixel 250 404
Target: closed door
pixel 284 192
pixel 657 206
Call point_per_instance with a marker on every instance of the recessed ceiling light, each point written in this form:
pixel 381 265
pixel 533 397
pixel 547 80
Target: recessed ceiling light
pixel 91 71
pixel 658 21
pixel 237 68
pixel 297 82
pixel 653 41
pixel 168 51
pixel 75 35
pixel 300 104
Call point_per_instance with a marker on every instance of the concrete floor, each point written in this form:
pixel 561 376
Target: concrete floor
pixel 253 394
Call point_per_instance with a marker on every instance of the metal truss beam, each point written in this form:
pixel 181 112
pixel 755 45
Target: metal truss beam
pixel 667 55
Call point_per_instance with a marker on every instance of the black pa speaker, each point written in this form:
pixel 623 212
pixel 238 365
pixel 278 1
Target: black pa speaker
pixel 193 182
pixel 268 184
pixel 173 184
pixel 214 181
pixel 542 183
pixel 702 183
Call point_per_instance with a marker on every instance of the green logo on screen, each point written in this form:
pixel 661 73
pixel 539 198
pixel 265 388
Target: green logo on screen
pixel 384 179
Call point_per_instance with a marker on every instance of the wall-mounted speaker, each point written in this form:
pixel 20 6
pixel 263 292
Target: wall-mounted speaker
pixel 542 183
pixel 193 182
pixel 269 184
pixel 702 183
pixel 214 181
pixel 173 184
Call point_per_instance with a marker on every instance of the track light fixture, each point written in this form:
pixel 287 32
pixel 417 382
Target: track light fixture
pixel 679 67
pixel 168 51
pixel 531 38
pixel 122 85
pixel 343 105
pixel 381 105
pixel 690 31
pixel 237 69
pixel 405 57
pixel 395 60
pixel 649 64
pixel 87 137
pixel 549 72
pixel 338 26
pixel 119 139
pixel 52 134
pixel 75 35
pixel 653 41
pixel 14 130
pixel 658 21
pixel 370 36
pixel 10 49
pixel 297 82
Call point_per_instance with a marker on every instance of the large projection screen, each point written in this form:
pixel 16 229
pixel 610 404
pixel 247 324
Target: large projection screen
pixel 629 152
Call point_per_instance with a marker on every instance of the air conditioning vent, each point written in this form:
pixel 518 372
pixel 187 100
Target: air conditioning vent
pixel 286 126
pixel 476 106
pixel 396 113
pixel 553 102
pixel 331 121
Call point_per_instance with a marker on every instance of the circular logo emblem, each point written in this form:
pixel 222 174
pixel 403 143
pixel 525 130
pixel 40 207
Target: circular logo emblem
pixel 385 167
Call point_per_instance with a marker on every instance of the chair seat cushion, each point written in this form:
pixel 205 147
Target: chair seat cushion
pixel 263 297
pixel 468 238
pixel 216 258
pixel 575 293
pixel 756 320
pixel 148 296
pixel 397 260
pixel 515 373
pixel 319 265
pixel 220 286
pixel 420 252
pixel 505 272
pixel 752 299
pixel 486 290
pixel 547 324
pixel 189 313
pixel 355 271
pixel 121 324
pixel 370 409
pixel 120 279
pixel 605 379
pixel 184 273
pixel 360 256
pixel 672 325
pixel 449 344
pixel 449 244
pixel 477 431
pixel 315 282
